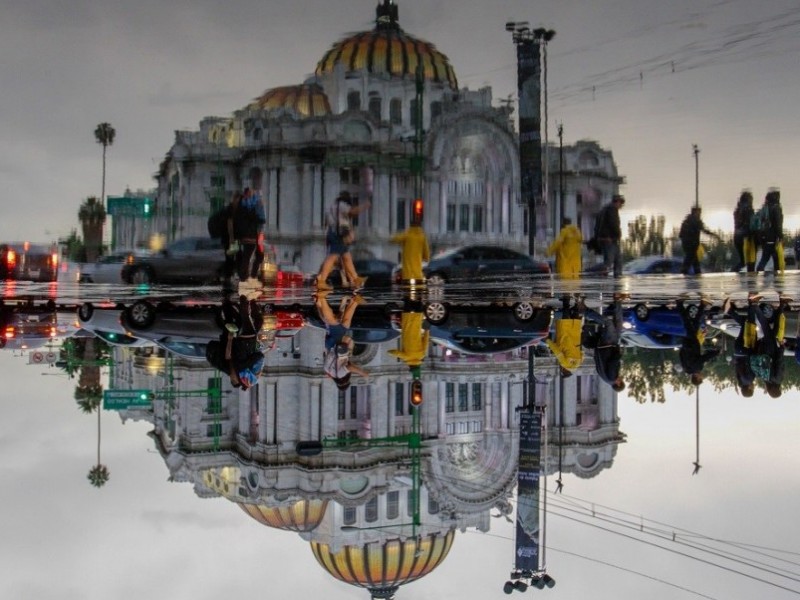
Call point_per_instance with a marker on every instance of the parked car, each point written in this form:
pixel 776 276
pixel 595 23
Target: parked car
pixel 30 325
pixel 654 326
pixel 379 272
pixel 173 326
pixel 372 323
pixel 188 260
pixel 481 262
pixel 646 265
pixel 26 261
pixel 108 268
pixel 487 329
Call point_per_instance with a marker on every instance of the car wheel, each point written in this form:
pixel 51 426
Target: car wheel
pixel 692 310
pixel 85 312
pixel 642 312
pixel 50 304
pixel 436 312
pixel 141 276
pixel 141 315
pixel 436 279
pixel 524 311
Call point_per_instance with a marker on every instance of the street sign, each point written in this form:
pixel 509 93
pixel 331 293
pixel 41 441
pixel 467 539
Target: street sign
pixel 129 206
pixel 124 399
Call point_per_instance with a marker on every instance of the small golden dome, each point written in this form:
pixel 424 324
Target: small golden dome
pixel 303 515
pixel 306 100
pixel 388 50
pixel 384 566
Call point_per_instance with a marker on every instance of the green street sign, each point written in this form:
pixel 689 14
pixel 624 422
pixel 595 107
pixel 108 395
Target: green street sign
pixel 129 206
pixel 124 399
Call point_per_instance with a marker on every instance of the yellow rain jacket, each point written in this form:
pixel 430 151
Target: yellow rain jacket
pixel 413 340
pixel 415 251
pixel 567 250
pixel 567 345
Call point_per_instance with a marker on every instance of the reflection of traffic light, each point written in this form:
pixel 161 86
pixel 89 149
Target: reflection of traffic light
pixel 416 211
pixel 416 392
pixel 147 207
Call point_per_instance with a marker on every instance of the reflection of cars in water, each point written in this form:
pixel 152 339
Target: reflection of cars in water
pixel 30 325
pixel 647 265
pixel 108 268
pixel 181 328
pixel 23 260
pixel 189 260
pixel 487 329
pixel 481 262
pixel 654 326
pixel 104 323
pixel 728 326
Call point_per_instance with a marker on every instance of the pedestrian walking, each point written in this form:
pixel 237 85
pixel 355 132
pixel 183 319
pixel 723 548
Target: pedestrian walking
pixel 689 234
pixel 743 241
pixel 771 231
pixel 339 237
pixel 414 251
pixel 339 343
pixel 566 344
pixel 606 341
pixel 691 353
pixel 608 234
pixel 248 220
pixel 567 250
pixel 238 351
pixel 414 337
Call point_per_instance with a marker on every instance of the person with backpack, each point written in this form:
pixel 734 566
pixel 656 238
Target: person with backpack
pixel 689 234
pixel 743 241
pixel 770 228
pixel 608 233
pixel 339 237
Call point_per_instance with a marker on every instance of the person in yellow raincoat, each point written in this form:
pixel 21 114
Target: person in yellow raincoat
pixel 566 346
pixel 415 251
pixel 414 337
pixel 567 250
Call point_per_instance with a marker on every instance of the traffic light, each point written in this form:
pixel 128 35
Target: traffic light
pixel 416 392
pixel 147 207
pixel 416 211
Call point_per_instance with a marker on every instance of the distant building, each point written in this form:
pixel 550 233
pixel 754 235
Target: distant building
pixel 350 127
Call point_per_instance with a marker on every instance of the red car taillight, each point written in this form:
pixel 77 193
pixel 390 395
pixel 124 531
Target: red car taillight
pixel 54 260
pixel 9 332
pixel 11 259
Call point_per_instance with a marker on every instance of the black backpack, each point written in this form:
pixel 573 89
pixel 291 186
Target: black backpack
pixel 218 224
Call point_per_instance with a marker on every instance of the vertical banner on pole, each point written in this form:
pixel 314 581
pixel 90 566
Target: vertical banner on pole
pixel 530 457
pixel 530 127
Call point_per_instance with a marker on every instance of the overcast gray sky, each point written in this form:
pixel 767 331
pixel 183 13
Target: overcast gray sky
pixel 645 78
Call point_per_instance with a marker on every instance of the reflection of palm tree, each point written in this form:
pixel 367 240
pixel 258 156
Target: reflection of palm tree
pixel 98 475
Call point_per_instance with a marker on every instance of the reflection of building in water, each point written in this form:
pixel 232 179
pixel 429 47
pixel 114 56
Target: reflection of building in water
pixel 350 126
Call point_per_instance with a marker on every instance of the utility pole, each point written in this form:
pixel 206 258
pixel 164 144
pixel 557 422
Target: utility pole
pixel 696 152
pixel 560 215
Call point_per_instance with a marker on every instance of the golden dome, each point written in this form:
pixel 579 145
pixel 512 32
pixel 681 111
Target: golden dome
pixel 303 515
pixel 381 567
pixel 388 50
pixel 306 100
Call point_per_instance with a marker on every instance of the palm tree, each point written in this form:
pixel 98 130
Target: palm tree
pixel 104 134
pixel 92 215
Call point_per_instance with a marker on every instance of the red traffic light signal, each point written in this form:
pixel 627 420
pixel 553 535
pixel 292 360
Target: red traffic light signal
pixel 416 211
pixel 416 392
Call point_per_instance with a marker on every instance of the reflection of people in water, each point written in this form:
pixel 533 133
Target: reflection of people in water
pixel 758 350
pixel 339 342
pixel 566 345
pixel 692 356
pixel 414 337
pixel 238 352
pixel 606 342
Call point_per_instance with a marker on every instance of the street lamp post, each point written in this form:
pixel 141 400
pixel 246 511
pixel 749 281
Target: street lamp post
pixel 696 152
pixel 529 44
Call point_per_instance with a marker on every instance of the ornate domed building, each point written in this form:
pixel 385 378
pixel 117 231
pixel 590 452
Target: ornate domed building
pixel 351 127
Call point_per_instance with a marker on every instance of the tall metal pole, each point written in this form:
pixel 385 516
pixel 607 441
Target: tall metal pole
pixel 560 174
pixel 696 152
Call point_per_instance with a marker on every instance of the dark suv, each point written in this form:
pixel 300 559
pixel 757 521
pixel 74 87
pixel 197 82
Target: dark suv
pixel 23 260
pixel 189 260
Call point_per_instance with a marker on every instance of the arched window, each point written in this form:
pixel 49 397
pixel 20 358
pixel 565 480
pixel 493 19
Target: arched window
pixel 396 111
pixel 255 177
pixel 353 100
pixel 436 109
pixel 257 132
pixel 375 107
